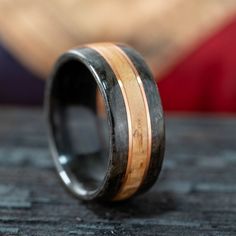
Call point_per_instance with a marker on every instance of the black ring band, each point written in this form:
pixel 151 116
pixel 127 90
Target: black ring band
pixel 105 120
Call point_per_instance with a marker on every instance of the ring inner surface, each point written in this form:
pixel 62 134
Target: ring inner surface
pixel 79 125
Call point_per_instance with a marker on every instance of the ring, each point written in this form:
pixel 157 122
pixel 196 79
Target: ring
pixel 105 122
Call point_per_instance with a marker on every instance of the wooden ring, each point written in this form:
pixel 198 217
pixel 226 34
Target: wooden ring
pixel 105 122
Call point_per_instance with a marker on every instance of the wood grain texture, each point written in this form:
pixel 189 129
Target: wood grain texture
pixel 196 194
pixel 139 124
pixel 156 117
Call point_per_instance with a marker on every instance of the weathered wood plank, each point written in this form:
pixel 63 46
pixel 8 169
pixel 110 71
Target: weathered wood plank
pixel 195 195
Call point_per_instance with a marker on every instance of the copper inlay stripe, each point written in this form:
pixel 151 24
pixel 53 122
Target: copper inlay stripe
pixel 138 117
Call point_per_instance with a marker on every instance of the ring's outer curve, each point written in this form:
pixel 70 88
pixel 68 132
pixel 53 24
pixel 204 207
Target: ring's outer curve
pixel 134 115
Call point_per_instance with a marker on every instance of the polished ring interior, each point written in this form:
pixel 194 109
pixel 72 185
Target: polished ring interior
pixel 105 120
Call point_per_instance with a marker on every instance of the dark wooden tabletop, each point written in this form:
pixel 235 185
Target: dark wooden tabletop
pixel 195 195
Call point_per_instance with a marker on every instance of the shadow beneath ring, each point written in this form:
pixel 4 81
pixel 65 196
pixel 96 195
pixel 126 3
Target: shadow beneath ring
pixel 148 205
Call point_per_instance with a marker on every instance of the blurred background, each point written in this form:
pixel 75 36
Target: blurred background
pixel 189 45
